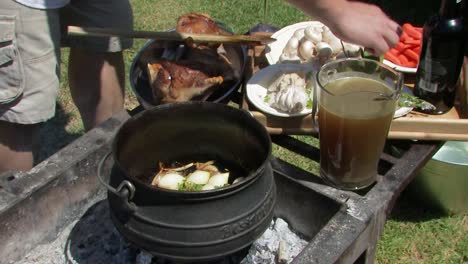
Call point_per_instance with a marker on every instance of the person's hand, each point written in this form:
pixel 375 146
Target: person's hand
pixel 354 22
pixel 365 25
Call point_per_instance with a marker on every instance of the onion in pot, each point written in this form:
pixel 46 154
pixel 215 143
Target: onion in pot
pixel 199 177
pixel 239 179
pixel 219 180
pixel 171 181
pixel 208 187
pixel 206 176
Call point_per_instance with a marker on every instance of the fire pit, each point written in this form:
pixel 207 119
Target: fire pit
pixel 192 226
pixel 39 208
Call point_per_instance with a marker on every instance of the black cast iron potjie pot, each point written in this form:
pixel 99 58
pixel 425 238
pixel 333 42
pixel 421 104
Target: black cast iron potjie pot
pixel 191 226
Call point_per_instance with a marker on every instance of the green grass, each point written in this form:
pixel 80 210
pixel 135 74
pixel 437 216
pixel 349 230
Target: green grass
pixel 413 234
pixel 418 234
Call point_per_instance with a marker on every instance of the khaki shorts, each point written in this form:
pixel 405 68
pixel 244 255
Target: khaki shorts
pixel 30 41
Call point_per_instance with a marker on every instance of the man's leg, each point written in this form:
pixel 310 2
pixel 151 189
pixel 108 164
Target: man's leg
pixel 96 69
pixel 97 84
pixel 30 40
pixel 16 142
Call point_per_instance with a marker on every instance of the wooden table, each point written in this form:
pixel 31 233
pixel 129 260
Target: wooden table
pixel 352 234
pixel 452 125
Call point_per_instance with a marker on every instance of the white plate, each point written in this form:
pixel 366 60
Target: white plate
pixel 402 111
pixel 275 49
pixel 399 68
pixel 258 84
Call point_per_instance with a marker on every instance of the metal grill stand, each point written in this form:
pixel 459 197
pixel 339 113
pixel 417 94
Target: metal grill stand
pixel 342 226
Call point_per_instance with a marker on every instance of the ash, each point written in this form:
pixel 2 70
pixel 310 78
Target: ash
pixel 94 239
pixel 278 244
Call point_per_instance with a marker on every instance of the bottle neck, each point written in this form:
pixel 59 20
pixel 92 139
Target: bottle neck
pixel 452 8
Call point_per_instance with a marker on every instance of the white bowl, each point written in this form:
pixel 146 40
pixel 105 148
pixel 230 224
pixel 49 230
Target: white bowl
pixel 399 68
pixel 275 49
pixel 256 88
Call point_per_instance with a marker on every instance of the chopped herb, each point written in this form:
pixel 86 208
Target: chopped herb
pixel 368 55
pixel 309 103
pixel 408 100
pixel 267 98
pixel 309 88
pixel 189 186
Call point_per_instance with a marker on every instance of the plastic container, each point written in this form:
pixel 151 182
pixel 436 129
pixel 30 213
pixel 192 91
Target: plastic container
pixel 442 183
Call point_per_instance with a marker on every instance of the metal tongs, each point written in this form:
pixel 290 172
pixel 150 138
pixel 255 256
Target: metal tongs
pixel 170 36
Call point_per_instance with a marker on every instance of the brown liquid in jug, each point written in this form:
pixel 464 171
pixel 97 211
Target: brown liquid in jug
pixel 353 128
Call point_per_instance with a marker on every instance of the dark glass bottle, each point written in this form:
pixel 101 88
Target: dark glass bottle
pixel 441 56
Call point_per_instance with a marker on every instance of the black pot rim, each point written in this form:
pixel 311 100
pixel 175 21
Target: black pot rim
pixel 147 105
pixel 199 195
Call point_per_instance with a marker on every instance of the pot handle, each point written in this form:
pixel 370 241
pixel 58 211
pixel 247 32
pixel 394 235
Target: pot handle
pixel 125 190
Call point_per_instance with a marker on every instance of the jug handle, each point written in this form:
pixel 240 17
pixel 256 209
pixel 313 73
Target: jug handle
pixel 313 83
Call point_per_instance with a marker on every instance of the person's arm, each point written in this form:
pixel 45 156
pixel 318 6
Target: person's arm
pixel 355 22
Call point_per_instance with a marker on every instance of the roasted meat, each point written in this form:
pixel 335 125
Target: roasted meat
pixel 215 61
pixel 193 75
pixel 179 81
pixel 190 71
pixel 195 23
